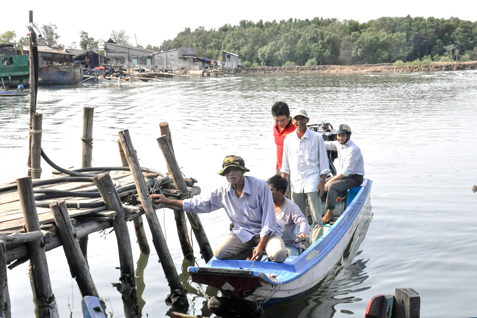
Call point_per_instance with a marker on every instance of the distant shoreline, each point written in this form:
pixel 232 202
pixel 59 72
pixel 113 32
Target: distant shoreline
pixel 361 69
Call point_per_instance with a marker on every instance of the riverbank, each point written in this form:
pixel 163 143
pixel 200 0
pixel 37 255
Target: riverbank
pixel 361 69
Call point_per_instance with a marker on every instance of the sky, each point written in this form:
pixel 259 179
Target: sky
pixel 152 22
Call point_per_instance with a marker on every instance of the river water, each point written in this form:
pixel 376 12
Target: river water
pixel 417 133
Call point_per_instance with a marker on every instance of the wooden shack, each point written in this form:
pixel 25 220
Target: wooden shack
pixel 127 56
pixel 177 59
pixel 230 60
pixel 89 59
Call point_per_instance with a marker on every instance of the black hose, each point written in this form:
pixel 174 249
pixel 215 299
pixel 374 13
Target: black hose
pixel 69 172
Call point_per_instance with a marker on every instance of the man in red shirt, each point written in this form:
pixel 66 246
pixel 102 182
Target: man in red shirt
pixel 283 126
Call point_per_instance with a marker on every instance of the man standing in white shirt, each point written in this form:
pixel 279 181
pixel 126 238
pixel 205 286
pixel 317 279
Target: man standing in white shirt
pixel 350 168
pixel 306 161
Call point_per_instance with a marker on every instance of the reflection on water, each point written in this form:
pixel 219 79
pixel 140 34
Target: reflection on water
pixel 416 133
pixel 140 284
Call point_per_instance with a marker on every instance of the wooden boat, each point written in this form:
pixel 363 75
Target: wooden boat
pixel 13 66
pixel 265 283
pixel 12 93
pixel 60 74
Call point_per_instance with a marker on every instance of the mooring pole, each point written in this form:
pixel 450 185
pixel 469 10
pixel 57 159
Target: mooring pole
pixel 138 223
pixel 179 215
pixel 178 295
pixel 87 159
pixel 35 151
pixel 87 138
pixel 110 196
pixel 33 58
pixel 39 266
pixel 179 181
pixel 4 295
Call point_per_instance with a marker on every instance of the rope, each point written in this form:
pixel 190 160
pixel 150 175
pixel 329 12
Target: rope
pixel 87 141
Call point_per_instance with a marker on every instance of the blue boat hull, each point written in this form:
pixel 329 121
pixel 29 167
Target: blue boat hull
pixel 271 282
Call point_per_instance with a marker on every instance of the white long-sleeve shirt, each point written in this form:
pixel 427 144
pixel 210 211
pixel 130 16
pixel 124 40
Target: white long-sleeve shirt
pixel 293 222
pixel 305 160
pixel 350 159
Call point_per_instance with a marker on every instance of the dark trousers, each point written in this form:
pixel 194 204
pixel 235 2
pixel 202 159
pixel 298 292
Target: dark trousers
pixel 339 186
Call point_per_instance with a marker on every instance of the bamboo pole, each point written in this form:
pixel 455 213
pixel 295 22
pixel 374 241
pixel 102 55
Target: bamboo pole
pixel 35 151
pixel 179 215
pixel 86 159
pixel 39 266
pixel 138 223
pixel 87 139
pixel 33 59
pixel 4 295
pixel 105 185
pixel 178 295
pixel 78 267
pixel 179 181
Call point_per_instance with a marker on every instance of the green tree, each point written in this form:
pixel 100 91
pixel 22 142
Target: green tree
pixel 120 37
pixel 8 37
pixel 88 43
pixel 23 43
pixel 49 36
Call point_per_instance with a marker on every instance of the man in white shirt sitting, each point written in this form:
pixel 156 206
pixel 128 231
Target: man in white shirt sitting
pixel 350 168
pixel 306 161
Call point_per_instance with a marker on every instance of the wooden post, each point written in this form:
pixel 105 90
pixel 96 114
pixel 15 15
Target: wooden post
pixel 105 185
pixel 179 215
pixel 138 224
pixel 407 304
pixel 4 295
pixel 33 58
pixel 36 146
pixel 164 126
pixel 39 266
pixel 179 181
pixel 78 267
pixel 178 295
pixel 87 157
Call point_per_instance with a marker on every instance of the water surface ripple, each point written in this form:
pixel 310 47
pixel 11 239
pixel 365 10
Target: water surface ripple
pixel 417 133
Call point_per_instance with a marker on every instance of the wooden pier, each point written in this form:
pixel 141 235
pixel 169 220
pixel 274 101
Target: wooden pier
pixel 38 215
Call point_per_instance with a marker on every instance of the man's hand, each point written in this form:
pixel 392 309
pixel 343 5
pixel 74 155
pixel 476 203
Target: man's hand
pixel 159 198
pixel 257 253
pixel 301 237
pixel 321 188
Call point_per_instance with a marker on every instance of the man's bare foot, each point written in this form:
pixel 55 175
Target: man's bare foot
pixel 328 217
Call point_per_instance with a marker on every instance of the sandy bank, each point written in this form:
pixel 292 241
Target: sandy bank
pixel 361 69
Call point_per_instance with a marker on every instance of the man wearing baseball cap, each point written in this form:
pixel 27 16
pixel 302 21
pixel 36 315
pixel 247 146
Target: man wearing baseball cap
pixel 350 168
pixel 249 204
pixel 306 162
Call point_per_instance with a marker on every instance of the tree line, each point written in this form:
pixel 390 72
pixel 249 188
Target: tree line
pixel 314 42
pixel 332 42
